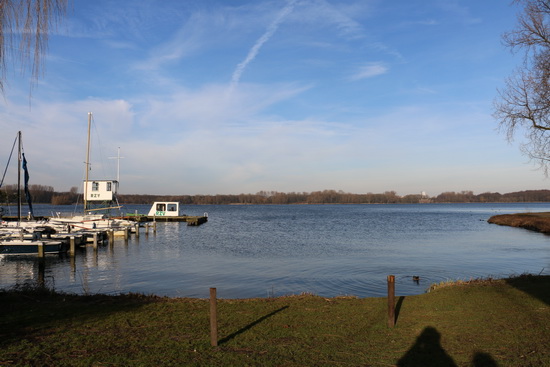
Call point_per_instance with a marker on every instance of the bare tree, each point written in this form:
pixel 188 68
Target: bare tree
pixel 524 104
pixel 25 26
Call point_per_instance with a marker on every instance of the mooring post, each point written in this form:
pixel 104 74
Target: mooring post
pixel 213 318
pixel 155 226
pixel 137 230
pixel 40 249
pixel 391 300
pixel 95 240
pixel 72 246
pixel 41 272
pixel 73 264
pixel 147 228
pixel 111 234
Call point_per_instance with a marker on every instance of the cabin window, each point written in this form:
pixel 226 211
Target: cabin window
pixel 161 207
pixel 109 186
pixel 95 186
pixel 172 207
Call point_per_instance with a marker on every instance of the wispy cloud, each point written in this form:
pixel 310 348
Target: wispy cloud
pixel 253 52
pixel 338 15
pixel 370 70
pixel 184 42
pixel 462 12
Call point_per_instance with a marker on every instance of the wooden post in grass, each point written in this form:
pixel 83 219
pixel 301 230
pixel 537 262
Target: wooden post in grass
pixel 213 318
pixel 391 300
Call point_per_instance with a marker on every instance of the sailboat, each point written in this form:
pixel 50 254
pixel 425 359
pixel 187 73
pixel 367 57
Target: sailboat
pixel 12 237
pixel 99 199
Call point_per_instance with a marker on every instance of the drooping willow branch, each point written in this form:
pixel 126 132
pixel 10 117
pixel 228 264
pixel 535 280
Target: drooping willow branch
pixel 24 31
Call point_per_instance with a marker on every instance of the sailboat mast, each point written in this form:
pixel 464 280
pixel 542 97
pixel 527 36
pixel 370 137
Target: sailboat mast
pixel 19 177
pixel 87 163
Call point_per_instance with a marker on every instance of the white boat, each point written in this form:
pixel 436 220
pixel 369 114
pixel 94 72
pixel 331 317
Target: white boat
pixel 89 221
pixel 99 196
pixel 21 163
pixel 13 235
pixel 165 209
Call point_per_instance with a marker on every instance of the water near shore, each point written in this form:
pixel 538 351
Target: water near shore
pixel 329 250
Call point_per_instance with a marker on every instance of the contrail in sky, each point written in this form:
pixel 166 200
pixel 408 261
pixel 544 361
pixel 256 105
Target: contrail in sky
pixel 259 43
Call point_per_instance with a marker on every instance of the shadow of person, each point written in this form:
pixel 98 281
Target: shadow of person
pixel 427 351
pixel 483 360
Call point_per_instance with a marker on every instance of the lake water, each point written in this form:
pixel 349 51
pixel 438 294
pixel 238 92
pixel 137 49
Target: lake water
pixel 329 250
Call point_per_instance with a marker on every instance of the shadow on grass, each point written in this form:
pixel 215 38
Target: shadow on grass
pixel 27 311
pixel 251 325
pixel 534 285
pixel 398 307
pixel 483 360
pixel 427 352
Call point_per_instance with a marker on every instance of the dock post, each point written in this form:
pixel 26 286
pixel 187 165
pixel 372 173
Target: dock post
pixel 95 240
pixel 72 246
pixel 73 266
pixel 147 228
pixel 213 318
pixel 137 230
pixel 40 249
pixel 391 301
pixel 41 277
pixel 126 231
pixel 155 226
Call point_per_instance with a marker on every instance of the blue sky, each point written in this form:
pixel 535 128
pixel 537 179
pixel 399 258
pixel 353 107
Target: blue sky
pixel 229 97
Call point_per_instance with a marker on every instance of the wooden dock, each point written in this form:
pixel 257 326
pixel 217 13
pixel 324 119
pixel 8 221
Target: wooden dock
pixel 190 219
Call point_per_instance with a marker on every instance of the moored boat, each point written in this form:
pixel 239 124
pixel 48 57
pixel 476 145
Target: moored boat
pixel 165 209
pixel 100 198
pixel 29 247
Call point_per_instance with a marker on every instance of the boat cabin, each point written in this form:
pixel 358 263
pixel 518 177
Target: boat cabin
pixel 165 209
pixel 100 190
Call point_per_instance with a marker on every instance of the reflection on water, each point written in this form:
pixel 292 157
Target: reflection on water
pixel 330 250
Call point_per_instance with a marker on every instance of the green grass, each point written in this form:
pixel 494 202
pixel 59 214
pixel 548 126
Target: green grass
pixel 478 323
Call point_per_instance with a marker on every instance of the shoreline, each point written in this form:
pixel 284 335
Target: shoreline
pixel 538 222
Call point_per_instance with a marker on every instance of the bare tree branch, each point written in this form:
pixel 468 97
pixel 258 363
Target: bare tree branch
pixel 524 103
pixel 26 25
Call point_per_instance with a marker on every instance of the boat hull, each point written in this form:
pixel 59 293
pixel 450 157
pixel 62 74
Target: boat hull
pixel 31 247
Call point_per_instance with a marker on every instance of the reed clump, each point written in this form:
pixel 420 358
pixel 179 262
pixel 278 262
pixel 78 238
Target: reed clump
pixel 539 222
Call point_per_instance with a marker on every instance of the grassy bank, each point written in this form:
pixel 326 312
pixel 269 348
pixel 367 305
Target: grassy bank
pixel 539 222
pixel 480 323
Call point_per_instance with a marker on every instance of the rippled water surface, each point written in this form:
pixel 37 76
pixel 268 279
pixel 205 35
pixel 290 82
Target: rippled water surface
pixel 329 250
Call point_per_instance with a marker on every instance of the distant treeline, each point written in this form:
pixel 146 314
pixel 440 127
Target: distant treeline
pixel 340 197
pixel 47 195
pixel 40 194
